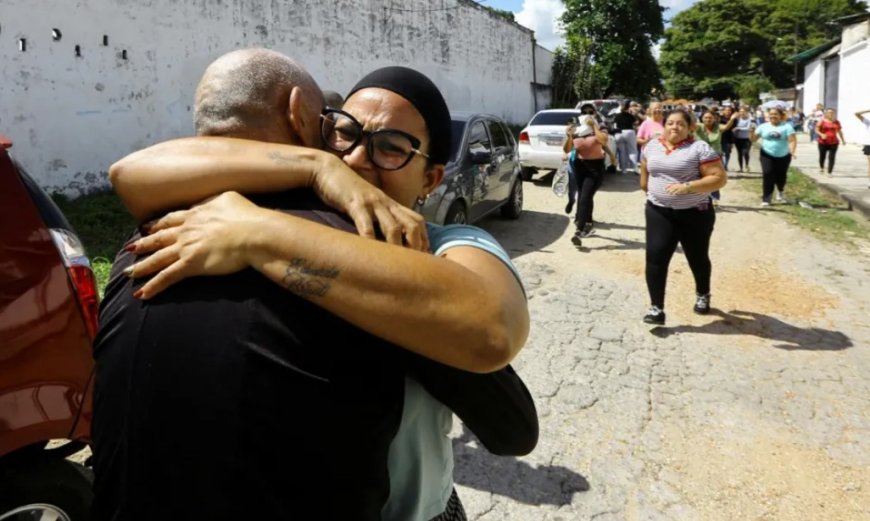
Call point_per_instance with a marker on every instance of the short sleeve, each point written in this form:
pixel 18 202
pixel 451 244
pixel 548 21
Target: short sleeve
pixel 705 152
pixel 442 238
pixel 789 130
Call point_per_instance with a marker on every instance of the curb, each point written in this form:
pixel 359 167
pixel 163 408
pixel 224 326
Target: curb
pixel 853 198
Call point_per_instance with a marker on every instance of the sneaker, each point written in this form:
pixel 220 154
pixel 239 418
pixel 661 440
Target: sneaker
pixel 655 315
pixel 577 240
pixel 779 197
pixel 587 231
pixel 702 304
pixel 765 204
pixel 569 206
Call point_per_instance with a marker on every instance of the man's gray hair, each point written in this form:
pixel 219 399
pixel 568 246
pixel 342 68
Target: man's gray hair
pixel 247 89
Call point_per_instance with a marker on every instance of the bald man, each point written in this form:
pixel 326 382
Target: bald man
pixel 230 398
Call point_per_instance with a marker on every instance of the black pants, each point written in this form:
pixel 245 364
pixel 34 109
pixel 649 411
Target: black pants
pixel 774 172
pixel 667 227
pixel 743 147
pixel 831 152
pixel 589 174
pixel 726 151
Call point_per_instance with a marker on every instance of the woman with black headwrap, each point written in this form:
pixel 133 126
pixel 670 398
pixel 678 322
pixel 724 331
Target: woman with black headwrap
pixel 462 304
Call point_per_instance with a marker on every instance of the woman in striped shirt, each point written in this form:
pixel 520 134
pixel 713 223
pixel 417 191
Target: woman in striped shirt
pixel 678 174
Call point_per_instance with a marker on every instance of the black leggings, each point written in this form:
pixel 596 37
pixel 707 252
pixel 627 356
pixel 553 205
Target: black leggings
pixel 774 172
pixel 665 228
pixel 831 152
pixel 743 147
pixel 726 151
pixel 588 173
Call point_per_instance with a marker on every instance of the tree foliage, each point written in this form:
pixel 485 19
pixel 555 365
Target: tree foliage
pixel 615 39
pixel 719 47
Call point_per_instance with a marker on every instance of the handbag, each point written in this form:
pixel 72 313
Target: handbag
pixel 560 180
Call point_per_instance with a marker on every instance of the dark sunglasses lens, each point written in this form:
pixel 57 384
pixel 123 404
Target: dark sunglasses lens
pixel 390 150
pixel 339 132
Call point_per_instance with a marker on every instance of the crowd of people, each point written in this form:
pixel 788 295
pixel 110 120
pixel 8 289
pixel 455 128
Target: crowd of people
pixel 682 154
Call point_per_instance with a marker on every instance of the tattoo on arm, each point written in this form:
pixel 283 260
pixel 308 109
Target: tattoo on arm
pixel 281 159
pixel 306 281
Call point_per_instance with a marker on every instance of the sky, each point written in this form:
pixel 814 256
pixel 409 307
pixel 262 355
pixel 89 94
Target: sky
pixel 541 15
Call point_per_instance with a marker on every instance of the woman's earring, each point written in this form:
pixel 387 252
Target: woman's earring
pixel 421 200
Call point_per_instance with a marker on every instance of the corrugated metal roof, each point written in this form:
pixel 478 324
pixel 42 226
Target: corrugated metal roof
pixel 809 54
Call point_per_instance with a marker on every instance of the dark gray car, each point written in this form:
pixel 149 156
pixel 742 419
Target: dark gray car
pixel 483 174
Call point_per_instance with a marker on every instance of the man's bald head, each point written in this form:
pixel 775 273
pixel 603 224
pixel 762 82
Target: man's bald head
pixel 258 94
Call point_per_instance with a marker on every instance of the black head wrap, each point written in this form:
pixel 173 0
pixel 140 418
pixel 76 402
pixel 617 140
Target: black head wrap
pixel 424 96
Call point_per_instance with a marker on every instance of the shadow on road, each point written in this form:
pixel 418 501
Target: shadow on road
pixel 534 231
pixel 510 477
pixel 789 337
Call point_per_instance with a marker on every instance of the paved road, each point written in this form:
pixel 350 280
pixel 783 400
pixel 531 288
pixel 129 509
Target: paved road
pixel 759 411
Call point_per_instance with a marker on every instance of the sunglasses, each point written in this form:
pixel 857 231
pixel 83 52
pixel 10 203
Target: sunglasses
pixel 388 149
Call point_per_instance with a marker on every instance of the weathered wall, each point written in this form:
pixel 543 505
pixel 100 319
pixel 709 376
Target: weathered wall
pixel 854 81
pixel 543 78
pixel 71 116
pixel 814 79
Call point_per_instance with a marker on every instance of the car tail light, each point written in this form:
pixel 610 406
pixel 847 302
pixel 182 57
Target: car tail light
pixel 524 138
pixel 80 274
pixel 5 142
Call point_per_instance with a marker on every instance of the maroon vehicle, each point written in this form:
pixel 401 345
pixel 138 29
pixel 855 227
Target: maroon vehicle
pixel 48 318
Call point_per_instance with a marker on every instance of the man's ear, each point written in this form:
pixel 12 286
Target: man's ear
pixel 302 119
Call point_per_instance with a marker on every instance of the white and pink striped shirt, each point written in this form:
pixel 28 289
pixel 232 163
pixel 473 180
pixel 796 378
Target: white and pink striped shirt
pixel 680 165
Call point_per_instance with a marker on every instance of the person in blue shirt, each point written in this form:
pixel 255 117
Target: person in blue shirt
pixel 449 294
pixel 778 148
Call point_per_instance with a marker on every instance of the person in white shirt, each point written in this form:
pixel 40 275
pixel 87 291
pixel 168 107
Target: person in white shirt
pixel 866 141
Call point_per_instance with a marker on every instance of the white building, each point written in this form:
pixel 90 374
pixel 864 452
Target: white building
pixel 86 82
pixel 837 75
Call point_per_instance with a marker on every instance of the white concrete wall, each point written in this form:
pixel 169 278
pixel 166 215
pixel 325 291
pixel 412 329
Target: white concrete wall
pixel 70 117
pixel 814 81
pixel 854 86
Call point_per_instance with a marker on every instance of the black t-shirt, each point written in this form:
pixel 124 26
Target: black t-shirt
pixel 230 398
pixel 625 121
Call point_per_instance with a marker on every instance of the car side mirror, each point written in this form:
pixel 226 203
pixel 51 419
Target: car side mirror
pixel 483 157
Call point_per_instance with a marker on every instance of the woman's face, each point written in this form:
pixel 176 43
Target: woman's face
pixel 774 117
pixel 830 114
pixel 708 119
pixel 676 128
pixel 728 112
pixel 378 109
pixel 743 112
pixel 655 110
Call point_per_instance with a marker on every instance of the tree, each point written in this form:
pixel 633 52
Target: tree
pixel 617 36
pixel 572 77
pixel 716 46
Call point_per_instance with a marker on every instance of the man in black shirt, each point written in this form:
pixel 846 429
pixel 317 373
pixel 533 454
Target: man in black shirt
pixel 231 398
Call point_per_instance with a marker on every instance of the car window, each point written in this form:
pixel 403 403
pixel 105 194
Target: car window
pixel 499 140
pixel 457 129
pixel 478 141
pixel 559 118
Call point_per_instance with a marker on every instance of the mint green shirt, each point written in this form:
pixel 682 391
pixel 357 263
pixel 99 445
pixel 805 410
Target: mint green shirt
pixel 420 459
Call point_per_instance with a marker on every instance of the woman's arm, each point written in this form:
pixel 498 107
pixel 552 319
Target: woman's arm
pixel 713 177
pixel 792 145
pixel 840 132
pixel 728 125
pixel 644 176
pixel 753 135
pixel 185 171
pixel 464 309
pixel 182 172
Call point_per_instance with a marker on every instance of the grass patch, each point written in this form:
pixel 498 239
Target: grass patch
pixel 102 223
pixel 829 217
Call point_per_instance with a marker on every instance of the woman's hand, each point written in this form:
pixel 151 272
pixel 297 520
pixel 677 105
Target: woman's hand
pixel 208 239
pixel 341 188
pixel 678 189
